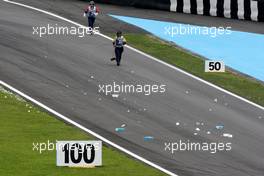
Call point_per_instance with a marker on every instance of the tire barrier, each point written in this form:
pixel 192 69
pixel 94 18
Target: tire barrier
pixel 236 9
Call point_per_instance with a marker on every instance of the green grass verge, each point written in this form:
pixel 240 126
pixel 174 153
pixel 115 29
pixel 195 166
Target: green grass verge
pixel 238 84
pixel 21 124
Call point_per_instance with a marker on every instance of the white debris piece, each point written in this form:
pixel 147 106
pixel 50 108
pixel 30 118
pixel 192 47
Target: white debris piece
pixel 197 129
pixel 11 94
pixel 187 92
pixel 92 77
pixel 195 134
pixel 177 123
pixel 85 93
pixel 123 125
pixel 99 99
pixel 5 91
pixel 260 117
pixel 144 109
pixel 115 95
pixel 210 110
pixel 227 135
pixel 197 123
pixel 66 85
pixel 19 98
pixel 215 100
pixel 28 110
pixel 128 110
pixel 208 132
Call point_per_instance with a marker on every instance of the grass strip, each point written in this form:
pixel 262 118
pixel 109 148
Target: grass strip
pixel 22 124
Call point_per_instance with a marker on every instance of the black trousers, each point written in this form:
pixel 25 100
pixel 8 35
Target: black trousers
pixel 118 53
pixel 91 21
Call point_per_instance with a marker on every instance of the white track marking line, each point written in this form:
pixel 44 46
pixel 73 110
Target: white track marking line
pixel 66 119
pixel 144 54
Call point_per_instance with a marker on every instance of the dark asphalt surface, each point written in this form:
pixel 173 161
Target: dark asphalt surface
pixel 64 72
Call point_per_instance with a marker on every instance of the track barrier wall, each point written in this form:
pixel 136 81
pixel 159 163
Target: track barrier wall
pixel 236 9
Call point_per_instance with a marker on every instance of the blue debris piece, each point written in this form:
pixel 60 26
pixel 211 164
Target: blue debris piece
pixel 148 138
pixel 120 129
pixel 219 126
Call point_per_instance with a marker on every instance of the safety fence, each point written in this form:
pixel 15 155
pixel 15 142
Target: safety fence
pixel 236 9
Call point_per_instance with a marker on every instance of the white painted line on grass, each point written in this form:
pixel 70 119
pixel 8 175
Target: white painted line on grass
pixel 66 119
pixel 142 53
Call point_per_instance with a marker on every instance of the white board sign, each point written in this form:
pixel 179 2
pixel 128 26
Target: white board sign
pixel 214 66
pixel 79 153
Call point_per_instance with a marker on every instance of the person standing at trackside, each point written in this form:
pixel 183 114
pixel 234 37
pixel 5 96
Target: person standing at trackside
pixel 91 12
pixel 118 43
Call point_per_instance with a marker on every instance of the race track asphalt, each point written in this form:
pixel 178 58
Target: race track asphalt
pixel 64 72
